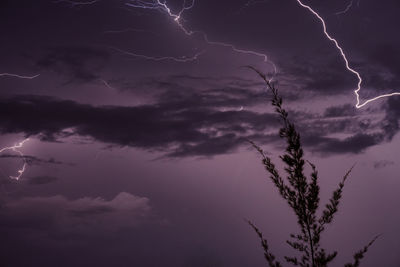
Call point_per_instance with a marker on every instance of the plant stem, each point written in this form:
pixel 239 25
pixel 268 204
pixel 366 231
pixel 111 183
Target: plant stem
pixel 311 245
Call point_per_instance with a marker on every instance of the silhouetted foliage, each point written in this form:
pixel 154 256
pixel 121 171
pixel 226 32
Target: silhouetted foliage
pixel 302 195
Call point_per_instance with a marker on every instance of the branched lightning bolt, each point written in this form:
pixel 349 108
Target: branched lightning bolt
pixel 356 91
pixel 15 148
pixel 18 76
pixel 164 8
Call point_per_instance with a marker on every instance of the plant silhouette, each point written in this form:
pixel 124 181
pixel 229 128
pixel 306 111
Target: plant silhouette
pixel 302 195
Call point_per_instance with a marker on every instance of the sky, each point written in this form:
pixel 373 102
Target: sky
pixel 135 117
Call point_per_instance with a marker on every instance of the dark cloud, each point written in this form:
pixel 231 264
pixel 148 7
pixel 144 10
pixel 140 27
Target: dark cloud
pixel 354 144
pixel 92 211
pixel 388 56
pixel 213 146
pixel 326 77
pixel 159 126
pixel 378 80
pixel 382 164
pixel 343 129
pixel 41 180
pixel 391 121
pixel 187 123
pixel 204 91
pixel 203 257
pixel 340 111
pixel 322 126
pixel 32 160
pixel 78 63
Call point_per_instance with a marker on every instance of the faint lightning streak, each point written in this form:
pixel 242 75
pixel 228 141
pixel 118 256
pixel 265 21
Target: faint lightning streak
pixel 163 7
pixel 242 51
pixel 251 3
pixel 106 84
pixel 346 9
pixel 254 2
pixel 78 3
pixel 182 59
pixel 15 149
pixel 18 76
pixel 124 30
pixel 356 92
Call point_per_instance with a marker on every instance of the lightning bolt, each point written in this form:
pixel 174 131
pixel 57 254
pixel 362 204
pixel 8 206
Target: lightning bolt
pixel 163 7
pixel 18 76
pixel 177 17
pixel 356 91
pixel 15 148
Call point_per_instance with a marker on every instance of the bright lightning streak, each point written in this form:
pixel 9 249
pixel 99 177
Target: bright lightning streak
pixel 15 148
pixel 163 7
pixel 18 76
pixel 356 92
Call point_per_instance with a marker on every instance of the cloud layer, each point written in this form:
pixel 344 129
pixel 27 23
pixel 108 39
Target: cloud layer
pixel 185 121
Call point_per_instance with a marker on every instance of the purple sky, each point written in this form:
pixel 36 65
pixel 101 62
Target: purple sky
pixel 140 162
